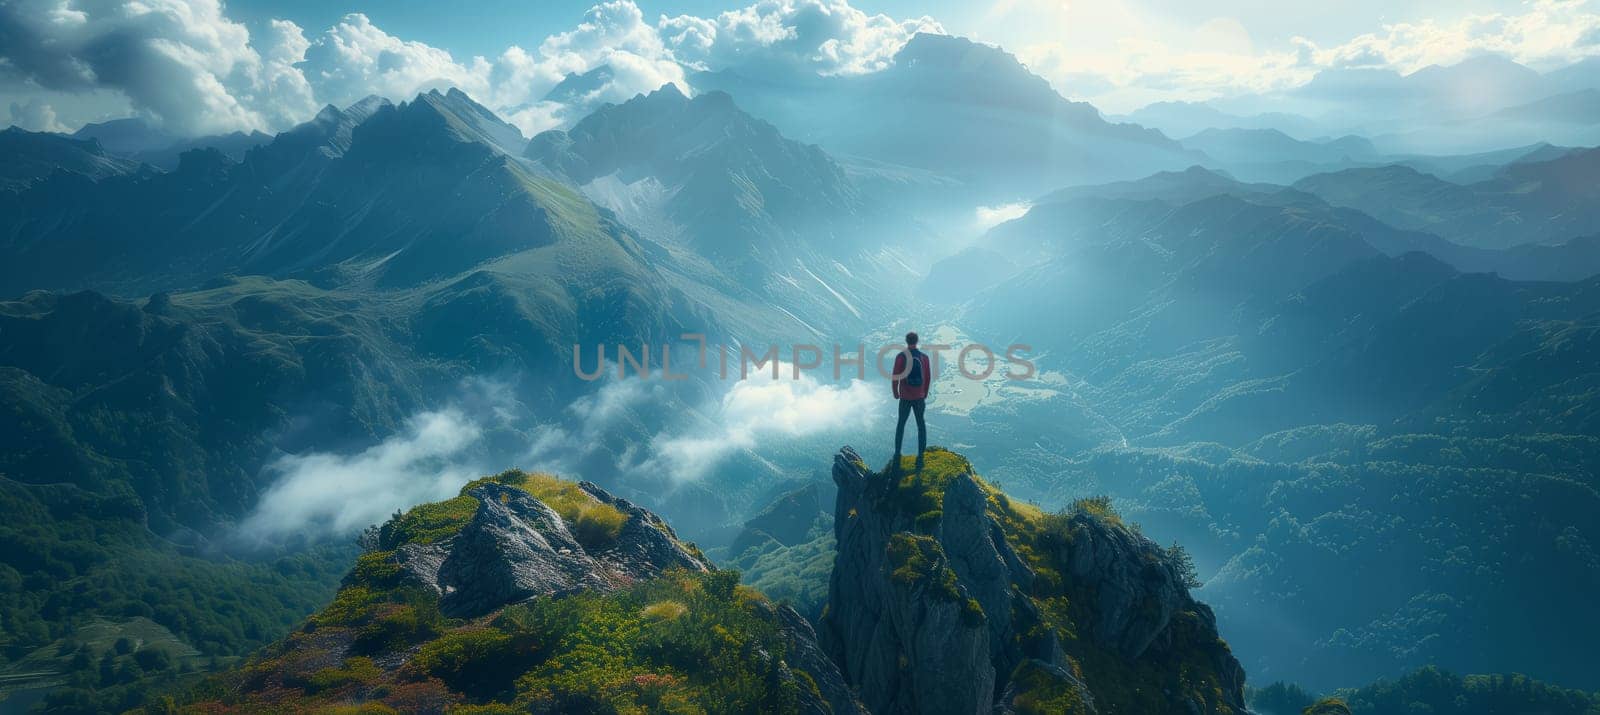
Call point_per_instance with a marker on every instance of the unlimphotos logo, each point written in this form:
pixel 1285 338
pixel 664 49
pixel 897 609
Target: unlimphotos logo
pixel 974 361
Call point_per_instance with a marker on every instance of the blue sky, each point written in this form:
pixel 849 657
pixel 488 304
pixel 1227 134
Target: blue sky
pixel 202 66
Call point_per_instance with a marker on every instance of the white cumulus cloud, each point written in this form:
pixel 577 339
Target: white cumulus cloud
pixel 1122 54
pixel 828 36
pixel 189 68
pixel 35 115
pixel 355 58
pixel 182 63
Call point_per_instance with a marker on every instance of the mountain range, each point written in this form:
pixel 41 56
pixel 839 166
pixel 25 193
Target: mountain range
pixel 1482 103
pixel 1526 202
pixel 1016 133
pixel 1218 323
pixel 1354 384
pixel 136 140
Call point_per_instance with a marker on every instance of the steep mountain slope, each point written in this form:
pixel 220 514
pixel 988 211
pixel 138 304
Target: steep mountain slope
pixel 736 189
pixel 786 549
pixel 530 593
pixel 947 596
pixel 735 205
pixel 309 204
pixel 962 109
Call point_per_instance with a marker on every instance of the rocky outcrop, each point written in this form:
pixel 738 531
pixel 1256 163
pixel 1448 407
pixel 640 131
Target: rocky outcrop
pixel 1328 707
pixel 530 593
pixel 936 611
pixel 913 644
pixel 806 655
pixel 516 547
pixel 646 546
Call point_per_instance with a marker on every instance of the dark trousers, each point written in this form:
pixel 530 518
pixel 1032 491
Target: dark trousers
pixel 908 407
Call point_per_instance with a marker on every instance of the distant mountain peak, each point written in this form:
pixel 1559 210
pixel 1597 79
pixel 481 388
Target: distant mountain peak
pixel 128 135
pixel 669 92
pixel 367 105
pixel 979 71
pixel 468 120
pixel 329 113
pixel 577 88
pixel 1486 62
pixel 29 156
pixel 636 131
pixel 928 46
pixel 751 193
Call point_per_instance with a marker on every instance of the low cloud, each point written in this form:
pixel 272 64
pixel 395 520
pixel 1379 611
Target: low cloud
pixel 321 494
pixel 325 494
pixel 35 115
pixel 762 411
pixel 753 415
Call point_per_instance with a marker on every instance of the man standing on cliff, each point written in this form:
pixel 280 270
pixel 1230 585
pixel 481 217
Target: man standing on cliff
pixel 909 381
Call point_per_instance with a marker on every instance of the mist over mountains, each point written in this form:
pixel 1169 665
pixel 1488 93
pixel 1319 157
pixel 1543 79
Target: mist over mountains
pixel 1350 367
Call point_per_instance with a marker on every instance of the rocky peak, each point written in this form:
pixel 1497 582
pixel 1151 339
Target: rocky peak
pixel 529 593
pixel 577 89
pixel 434 125
pixel 946 597
pixel 516 547
pixel 959 69
pixel 328 134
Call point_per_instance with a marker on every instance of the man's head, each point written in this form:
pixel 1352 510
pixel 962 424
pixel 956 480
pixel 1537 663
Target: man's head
pixel 911 339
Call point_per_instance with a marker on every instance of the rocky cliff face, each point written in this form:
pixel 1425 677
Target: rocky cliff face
pixel 948 598
pixel 527 593
pixel 516 547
